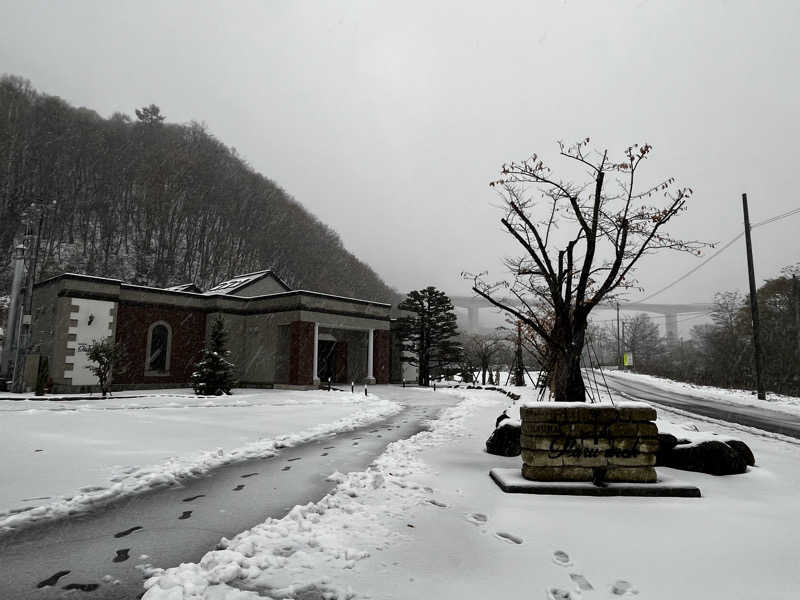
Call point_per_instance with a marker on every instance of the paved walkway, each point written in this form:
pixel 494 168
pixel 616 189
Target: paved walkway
pixel 174 525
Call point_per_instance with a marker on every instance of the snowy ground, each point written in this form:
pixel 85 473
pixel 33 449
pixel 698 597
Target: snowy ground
pixel 777 402
pixel 60 457
pixel 426 521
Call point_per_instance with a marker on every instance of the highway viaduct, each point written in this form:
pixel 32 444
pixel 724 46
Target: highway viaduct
pixel 670 312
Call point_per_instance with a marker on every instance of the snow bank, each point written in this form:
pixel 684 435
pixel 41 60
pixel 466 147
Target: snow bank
pixel 776 402
pixel 298 555
pixel 306 408
pixel 425 521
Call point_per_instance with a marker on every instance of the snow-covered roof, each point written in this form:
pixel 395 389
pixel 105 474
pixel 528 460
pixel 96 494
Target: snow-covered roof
pixel 185 287
pixel 240 281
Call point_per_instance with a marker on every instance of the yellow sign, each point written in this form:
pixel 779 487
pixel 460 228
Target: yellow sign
pixel 627 359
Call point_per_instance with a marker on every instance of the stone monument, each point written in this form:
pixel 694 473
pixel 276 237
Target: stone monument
pixel 576 441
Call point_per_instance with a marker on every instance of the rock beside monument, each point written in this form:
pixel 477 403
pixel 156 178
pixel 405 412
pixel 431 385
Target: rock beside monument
pixel 743 450
pixel 666 442
pixel 710 456
pixel 504 440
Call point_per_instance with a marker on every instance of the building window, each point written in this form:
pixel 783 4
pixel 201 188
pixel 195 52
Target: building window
pixel 159 346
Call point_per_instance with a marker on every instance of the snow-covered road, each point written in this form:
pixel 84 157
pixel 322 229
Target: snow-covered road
pixel 761 416
pixel 182 522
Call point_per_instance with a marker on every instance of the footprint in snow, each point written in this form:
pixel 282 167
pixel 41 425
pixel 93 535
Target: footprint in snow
pixel 508 537
pixel 329 447
pixel 239 487
pixel 53 579
pixel 477 518
pixel 38 450
pixel 437 503
pixel 246 475
pixel 191 498
pixel 622 587
pixel 122 555
pixel 84 587
pixel 561 558
pixel 558 594
pixel 185 515
pixel 127 531
pixel 324 454
pixel 355 443
pixel 295 458
pixel 286 468
pixel 581 581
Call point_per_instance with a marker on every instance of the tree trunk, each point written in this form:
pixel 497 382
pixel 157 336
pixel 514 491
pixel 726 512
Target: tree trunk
pixel 566 378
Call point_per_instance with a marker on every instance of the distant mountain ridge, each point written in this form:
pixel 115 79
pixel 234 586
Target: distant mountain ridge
pixel 154 203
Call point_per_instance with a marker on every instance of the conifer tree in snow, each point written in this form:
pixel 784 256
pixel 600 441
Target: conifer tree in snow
pixel 427 332
pixel 214 374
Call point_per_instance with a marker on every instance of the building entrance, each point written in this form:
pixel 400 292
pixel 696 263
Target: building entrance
pixel 332 361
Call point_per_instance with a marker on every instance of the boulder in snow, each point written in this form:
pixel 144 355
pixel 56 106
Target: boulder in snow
pixel 666 442
pixel 743 450
pixel 709 456
pixel 504 441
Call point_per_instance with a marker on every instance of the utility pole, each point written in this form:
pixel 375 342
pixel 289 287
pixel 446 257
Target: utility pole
pixel 759 361
pixel 623 344
pixel 796 298
pixel 619 345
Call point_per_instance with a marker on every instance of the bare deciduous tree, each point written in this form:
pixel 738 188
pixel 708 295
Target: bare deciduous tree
pixel 581 242
pixel 481 350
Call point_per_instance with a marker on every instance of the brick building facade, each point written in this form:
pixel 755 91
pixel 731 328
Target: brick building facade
pixel 277 336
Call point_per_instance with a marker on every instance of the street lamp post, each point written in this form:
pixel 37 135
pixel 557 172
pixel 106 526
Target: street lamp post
pixel 34 217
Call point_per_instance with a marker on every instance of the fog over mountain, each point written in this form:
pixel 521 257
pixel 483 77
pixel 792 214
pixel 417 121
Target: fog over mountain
pixel 388 121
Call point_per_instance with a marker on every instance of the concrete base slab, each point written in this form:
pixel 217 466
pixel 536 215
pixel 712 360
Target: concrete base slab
pixel 511 481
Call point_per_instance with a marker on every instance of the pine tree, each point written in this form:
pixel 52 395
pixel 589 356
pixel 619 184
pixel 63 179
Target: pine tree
pixel 214 374
pixel 427 333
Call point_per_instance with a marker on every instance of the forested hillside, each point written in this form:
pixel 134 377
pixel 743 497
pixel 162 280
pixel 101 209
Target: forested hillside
pixel 153 203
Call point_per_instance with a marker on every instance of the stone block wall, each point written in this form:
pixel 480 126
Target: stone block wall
pixel 578 442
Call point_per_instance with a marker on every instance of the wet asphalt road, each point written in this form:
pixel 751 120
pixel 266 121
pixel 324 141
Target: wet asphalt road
pixel 751 416
pixel 69 558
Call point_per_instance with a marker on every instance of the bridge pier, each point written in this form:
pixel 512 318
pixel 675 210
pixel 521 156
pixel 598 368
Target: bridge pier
pixel 472 318
pixel 671 327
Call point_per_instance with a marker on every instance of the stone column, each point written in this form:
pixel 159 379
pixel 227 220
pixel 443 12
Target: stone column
pixel 301 353
pixel 370 353
pixel 671 328
pixel 315 371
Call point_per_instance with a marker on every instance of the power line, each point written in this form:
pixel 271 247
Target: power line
pixel 727 245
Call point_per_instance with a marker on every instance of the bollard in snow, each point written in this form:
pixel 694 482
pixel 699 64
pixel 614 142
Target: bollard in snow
pixel 352 387
pixel 434 386
pixel 329 384
pixel 365 389
pixel 404 382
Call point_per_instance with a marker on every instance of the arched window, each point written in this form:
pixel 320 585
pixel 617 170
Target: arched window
pixel 159 346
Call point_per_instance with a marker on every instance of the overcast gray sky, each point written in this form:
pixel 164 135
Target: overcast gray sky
pixel 388 120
